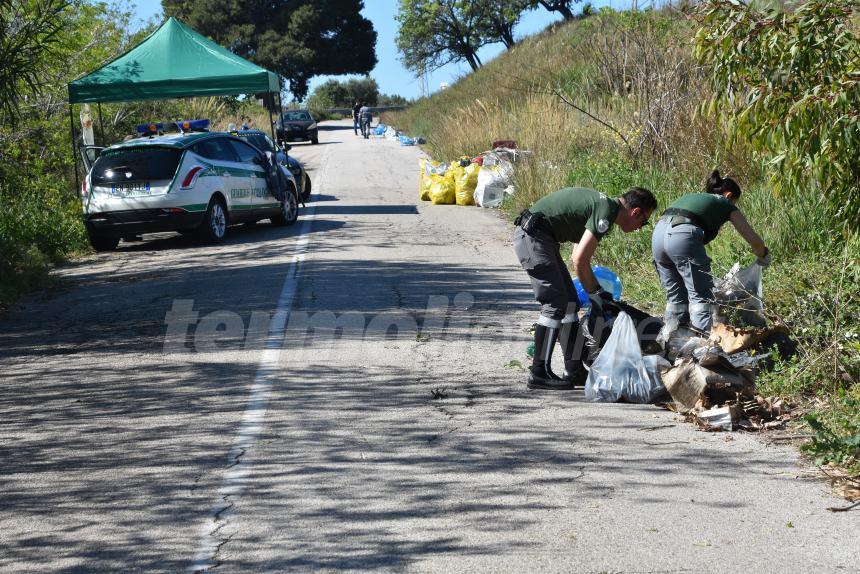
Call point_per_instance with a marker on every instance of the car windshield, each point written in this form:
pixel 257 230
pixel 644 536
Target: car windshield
pixel 135 164
pixel 259 141
pixel 297 116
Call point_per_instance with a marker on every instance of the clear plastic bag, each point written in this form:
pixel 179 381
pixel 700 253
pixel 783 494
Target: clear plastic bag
pixel 620 372
pixel 739 297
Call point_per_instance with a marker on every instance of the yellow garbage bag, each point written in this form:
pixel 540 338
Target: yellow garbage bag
pixel 442 189
pixel 425 169
pixel 456 172
pixel 465 181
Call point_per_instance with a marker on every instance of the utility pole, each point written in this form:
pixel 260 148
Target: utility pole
pixel 423 83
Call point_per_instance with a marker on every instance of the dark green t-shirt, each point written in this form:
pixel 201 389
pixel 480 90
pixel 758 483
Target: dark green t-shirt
pixel 711 210
pixel 572 210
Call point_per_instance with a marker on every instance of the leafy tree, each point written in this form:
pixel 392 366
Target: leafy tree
pixel 790 83
pixel 298 39
pixel 563 7
pixel 29 36
pixel 331 94
pixel 500 17
pixel 335 94
pixel 392 100
pixel 433 33
pixel 365 89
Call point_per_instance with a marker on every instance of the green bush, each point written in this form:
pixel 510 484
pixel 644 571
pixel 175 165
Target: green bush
pixel 836 434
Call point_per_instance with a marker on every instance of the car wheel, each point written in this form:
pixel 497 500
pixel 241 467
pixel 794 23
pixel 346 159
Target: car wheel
pixel 306 187
pixel 289 211
pixel 214 226
pixel 102 241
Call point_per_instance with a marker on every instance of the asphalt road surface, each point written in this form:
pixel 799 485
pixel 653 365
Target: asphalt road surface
pixel 340 395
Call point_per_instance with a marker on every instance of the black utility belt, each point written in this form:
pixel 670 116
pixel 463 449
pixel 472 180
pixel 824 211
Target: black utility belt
pixel 674 220
pixel 675 216
pixel 534 222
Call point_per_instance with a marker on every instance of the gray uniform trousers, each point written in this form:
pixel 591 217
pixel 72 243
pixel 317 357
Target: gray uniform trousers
pixel 539 255
pixel 685 272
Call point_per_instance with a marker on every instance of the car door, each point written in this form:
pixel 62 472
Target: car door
pixel 260 197
pixel 232 172
pixel 90 153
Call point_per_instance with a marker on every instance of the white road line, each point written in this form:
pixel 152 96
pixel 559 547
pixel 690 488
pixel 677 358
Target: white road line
pixel 212 535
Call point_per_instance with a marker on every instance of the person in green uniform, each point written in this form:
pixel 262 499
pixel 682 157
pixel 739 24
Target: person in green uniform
pixel 678 246
pixel 584 217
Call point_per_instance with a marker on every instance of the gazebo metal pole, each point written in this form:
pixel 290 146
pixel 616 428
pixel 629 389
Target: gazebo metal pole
pixel 74 146
pixel 280 109
pixel 272 121
pixel 101 124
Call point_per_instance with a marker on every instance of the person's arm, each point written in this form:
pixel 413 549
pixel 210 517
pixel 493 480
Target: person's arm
pixel 748 233
pixel 581 259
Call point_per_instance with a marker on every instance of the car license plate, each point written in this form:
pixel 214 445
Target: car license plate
pixel 296 139
pixel 131 188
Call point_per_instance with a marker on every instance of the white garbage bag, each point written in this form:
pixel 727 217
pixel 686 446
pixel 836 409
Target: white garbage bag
pixel 491 187
pixel 620 372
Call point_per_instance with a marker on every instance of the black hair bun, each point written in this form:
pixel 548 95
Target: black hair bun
pixel 714 183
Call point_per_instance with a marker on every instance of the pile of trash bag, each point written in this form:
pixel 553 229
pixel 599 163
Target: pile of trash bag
pixel 483 180
pixel 710 377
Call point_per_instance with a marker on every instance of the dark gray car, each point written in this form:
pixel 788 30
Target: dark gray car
pixel 297 126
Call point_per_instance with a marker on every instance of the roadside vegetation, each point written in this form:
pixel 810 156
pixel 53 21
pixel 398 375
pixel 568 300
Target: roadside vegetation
pixel 658 98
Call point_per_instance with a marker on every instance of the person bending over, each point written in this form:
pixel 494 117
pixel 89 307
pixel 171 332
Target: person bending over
pixel 584 217
pixel 678 246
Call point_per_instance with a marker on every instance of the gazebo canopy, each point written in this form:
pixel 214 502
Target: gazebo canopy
pixel 173 62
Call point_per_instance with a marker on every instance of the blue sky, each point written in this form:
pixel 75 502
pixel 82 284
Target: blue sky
pixel 391 76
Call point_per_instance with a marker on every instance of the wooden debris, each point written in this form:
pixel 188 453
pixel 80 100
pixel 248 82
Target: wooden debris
pixel 734 339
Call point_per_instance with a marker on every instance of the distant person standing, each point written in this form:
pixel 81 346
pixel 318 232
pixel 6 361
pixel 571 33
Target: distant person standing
pixel 356 108
pixel 366 118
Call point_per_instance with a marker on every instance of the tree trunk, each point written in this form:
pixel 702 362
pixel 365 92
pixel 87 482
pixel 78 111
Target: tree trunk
pixel 506 34
pixel 474 61
pixel 561 7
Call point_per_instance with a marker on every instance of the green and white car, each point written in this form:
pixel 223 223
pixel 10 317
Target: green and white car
pixel 186 182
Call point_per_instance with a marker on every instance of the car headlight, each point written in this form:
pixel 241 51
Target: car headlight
pixel 313 126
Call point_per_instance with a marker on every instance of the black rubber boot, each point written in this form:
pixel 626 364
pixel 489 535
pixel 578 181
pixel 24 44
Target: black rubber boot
pixel 541 375
pixel 574 349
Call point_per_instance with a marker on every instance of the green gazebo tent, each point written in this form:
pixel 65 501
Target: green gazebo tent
pixel 172 62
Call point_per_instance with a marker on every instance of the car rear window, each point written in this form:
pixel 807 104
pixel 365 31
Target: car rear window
pixel 297 116
pixel 135 164
pixel 217 149
pixel 258 141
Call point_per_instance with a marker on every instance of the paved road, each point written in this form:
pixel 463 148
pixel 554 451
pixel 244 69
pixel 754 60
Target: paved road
pixel 335 396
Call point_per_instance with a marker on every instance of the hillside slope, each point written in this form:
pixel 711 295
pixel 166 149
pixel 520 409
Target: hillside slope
pixel 612 101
